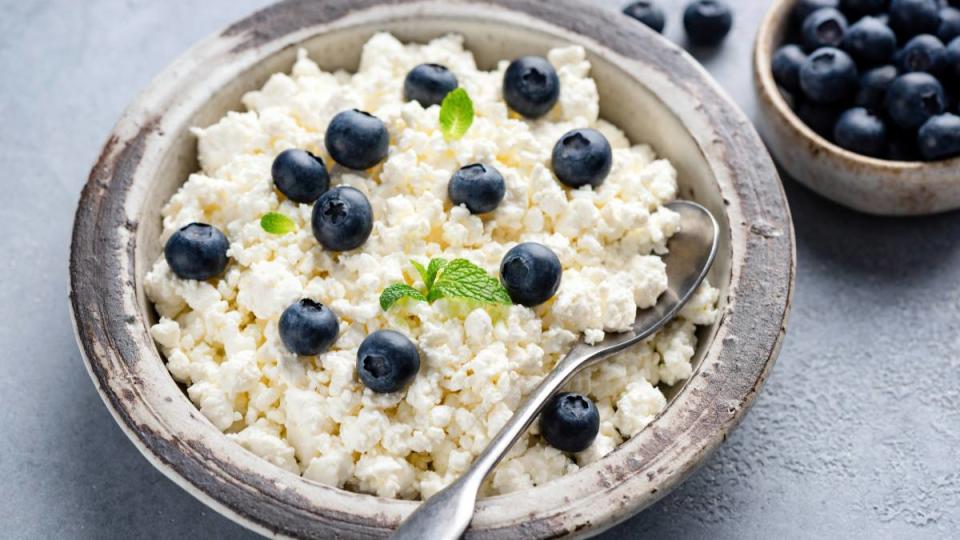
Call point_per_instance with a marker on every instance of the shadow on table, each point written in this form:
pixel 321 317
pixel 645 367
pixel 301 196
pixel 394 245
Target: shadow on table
pixel 878 247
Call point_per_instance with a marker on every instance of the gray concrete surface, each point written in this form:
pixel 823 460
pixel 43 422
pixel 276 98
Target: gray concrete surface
pixel 854 436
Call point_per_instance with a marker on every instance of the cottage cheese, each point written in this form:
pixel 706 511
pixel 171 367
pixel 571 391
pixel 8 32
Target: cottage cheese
pixel 310 415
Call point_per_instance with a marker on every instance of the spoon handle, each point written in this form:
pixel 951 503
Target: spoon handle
pixel 446 514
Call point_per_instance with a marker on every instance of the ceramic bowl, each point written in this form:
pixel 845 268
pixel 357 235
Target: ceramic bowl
pixel 649 87
pixel 871 185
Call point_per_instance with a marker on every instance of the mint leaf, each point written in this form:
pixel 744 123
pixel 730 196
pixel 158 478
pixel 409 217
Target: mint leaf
pixel 420 270
pixel 435 266
pixel 463 279
pixel 275 223
pixel 429 274
pixel 456 114
pixel 395 292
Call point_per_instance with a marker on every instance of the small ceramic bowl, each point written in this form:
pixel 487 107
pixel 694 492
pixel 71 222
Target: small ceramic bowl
pixel 871 185
pixel 651 88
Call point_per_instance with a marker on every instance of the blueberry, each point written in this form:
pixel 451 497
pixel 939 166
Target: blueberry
pixel 911 17
pixel 308 328
pixel 387 361
pixel 858 8
pixel 870 41
pixel 804 8
pixel 913 98
pixel 531 273
pixel 873 87
pixel 828 76
pixel 819 118
pixel 647 12
pixel 357 139
pixel 300 175
pixel 531 86
pixel 342 219
pixel 707 22
pixel 951 72
pixel 922 53
pixel 480 187
pixel 197 251
pixel 428 84
pixel 786 67
pixel 581 157
pixel 570 422
pixel 949 24
pixel 823 28
pixel 861 131
pixel 939 137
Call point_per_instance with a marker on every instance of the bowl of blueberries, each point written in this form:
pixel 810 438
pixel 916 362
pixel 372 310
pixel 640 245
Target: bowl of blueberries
pixel 859 100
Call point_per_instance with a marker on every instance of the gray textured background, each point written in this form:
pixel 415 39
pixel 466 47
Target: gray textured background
pixel 855 434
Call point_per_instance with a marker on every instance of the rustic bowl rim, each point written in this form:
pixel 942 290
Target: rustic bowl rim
pixel 114 340
pixel 765 45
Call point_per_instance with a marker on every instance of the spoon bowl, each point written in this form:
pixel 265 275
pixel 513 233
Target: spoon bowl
pixel 692 250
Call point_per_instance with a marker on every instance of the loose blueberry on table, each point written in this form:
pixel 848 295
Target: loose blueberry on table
pixel 387 361
pixel 308 327
pixel 647 12
pixel 342 219
pixel 197 251
pixel 570 422
pixel 357 139
pixel 300 175
pixel 707 22
pixel 531 273
pixel 582 157
pixel 479 187
pixel 428 84
pixel 531 86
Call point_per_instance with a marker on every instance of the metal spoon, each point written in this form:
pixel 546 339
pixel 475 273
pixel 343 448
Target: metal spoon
pixel 691 252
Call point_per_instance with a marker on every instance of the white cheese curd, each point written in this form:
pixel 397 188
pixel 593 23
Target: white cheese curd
pixel 311 415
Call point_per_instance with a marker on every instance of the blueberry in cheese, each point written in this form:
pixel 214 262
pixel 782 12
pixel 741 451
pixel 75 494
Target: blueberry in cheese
pixel 531 273
pixel 387 361
pixel 308 327
pixel 300 175
pixel 477 186
pixel 197 251
pixel 582 157
pixel 357 139
pixel 531 86
pixel 570 422
pixel 342 219
pixel 428 84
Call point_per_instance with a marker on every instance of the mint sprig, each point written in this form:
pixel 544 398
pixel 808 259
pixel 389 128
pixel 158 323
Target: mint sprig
pixel 458 278
pixel 456 114
pixel 276 223
pixel 395 292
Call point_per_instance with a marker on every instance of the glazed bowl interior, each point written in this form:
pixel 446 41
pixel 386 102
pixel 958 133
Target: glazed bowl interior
pixel 624 101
